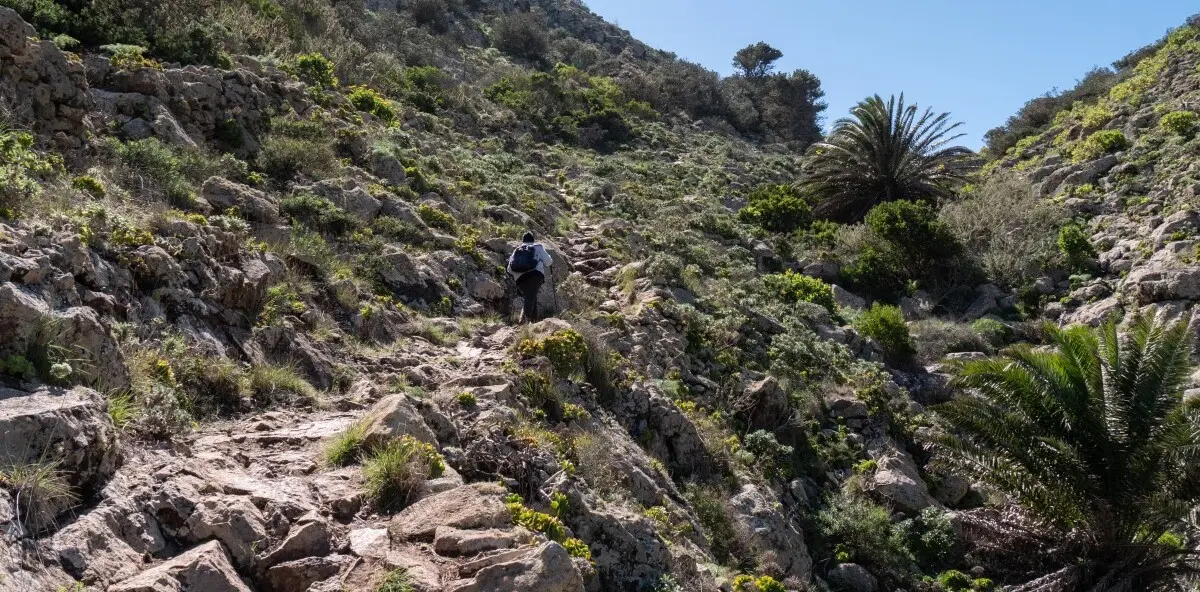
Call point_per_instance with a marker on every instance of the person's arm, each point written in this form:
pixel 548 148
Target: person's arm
pixel 544 255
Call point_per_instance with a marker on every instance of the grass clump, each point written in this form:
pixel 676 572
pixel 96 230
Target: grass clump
pixel 347 447
pixel 395 471
pixel 269 383
pixel 318 213
pixel 396 580
pixel 40 491
pixel 466 400
pixel 885 324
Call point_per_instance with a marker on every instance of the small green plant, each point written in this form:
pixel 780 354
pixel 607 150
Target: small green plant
pixel 573 412
pixel 316 70
pixel 992 331
pixel 437 218
pixel 122 409
pixel 346 448
pixel 90 185
pixel 796 287
pixel 318 213
pixel 559 504
pixel 369 100
pixel 577 548
pixel 396 580
pixel 866 467
pixel 466 400
pixel 65 42
pixel 41 492
pixel 954 581
pixel 885 324
pixel 1180 123
pixel 129 57
pixel 395 471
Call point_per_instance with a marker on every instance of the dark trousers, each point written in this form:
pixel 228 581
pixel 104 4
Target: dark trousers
pixel 528 285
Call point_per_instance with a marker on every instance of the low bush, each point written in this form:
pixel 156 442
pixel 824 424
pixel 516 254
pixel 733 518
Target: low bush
pixel 1076 246
pixel 863 533
pixel 318 213
pixel 1098 144
pixel 316 70
pixel 437 218
pixel 795 287
pixel 777 208
pixel 396 580
pixel 22 170
pixel 129 57
pixel 902 243
pixel 1180 123
pixel 270 384
pixel 934 338
pixel 885 324
pixel 521 35
pixel 369 100
pixel 730 544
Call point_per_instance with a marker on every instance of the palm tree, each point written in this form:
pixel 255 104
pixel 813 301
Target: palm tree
pixel 885 152
pixel 1095 444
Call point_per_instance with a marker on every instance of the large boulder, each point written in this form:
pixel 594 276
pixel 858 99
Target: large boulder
pixel 205 567
pixel 480 505
pixel 851 577
pixel 1159 282
pixel 763 404
pixel 392 417
pixel 223 195
pixel 773 532
pixel 69 427
pixel 547 568
pixel 897 482
pixel 102 365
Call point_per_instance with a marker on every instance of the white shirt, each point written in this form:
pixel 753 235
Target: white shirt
pixel 544 261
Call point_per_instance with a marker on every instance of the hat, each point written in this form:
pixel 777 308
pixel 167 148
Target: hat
pixel 527 238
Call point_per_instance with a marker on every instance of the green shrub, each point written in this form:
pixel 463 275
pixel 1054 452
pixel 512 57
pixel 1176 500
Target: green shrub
pixel 566 350
pixel 66 42
pixel 930 537
pixel 777 208
pixel 521 35
pixel 728 542
pixel 992 331
pixel 795 287
pixel 885 324
pixel 21 171
pixel 156 168
pixel 318 213
pixel 536 521
pixel 90 185
pixel 954 581
pixel 129 57
pixel 864 533
pixel 904 242
pixel 316 70
pixel 369 100
pixel 770 457
pixel 394 472
pixel 466 400
pixel 1100 143
pixel 1076 246
pixel 437 218
pixel 1180 123
pixel 282 157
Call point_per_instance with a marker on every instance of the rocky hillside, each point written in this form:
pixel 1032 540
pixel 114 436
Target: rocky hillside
pixel 256 331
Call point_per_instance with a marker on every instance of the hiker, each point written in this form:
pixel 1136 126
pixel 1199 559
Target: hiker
pixel 528 265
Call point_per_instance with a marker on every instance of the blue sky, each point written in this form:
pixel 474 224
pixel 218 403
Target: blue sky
pixel 980 60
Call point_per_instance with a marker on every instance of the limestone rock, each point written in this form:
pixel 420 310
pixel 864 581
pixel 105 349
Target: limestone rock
pixel 772 530
pixel 898 483
pixel 392 417
pixel 479 505
pixel 546 569
pixel 845 299
pixel 70 427
pixel 205 567
pixel 253 204
pixel 851 577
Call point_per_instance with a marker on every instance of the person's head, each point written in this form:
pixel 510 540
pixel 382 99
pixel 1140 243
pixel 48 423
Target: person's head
pixel 527 238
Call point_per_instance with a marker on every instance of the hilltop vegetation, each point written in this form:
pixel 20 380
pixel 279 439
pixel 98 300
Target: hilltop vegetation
pixel 264 241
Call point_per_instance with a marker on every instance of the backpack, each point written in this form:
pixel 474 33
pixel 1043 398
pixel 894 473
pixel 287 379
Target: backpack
pixel 524 259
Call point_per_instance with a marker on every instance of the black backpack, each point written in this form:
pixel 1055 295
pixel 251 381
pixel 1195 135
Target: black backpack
pixel 524 259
